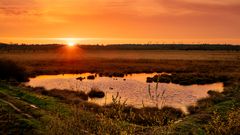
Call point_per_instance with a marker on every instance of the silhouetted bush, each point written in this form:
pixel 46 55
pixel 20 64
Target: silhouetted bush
pixel 149 80
pixel 11 71
pixel 189 78
pixel 111 74
pixel 91 77
pixel 94 93
pixel 80 78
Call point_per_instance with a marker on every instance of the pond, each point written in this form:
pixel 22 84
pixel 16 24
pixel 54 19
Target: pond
pixel 132 88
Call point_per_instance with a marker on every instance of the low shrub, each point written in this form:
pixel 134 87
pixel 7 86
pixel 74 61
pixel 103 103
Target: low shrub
pixel 10 71
pixel 80 78
pixel 189 78
pixel 147 116
pixel 95 93
pixel 67 95
pixel 111 74
pixel 91 77
pixel 224 124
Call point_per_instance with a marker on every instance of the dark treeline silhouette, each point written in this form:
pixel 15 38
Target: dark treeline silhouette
pixel 163 47
pixel 28 47
pixel 51 47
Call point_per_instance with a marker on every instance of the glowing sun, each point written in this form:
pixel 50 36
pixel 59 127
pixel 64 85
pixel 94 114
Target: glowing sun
pixel 70 44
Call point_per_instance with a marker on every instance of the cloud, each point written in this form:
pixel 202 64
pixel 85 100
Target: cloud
pixel 131 7
pixel 19 7
pixel 18 11
pixel 169 7
pixel 121 18
pixel 205 7
pixel 17 2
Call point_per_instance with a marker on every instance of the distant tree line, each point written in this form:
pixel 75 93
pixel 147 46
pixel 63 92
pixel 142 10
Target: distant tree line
pixel 28 47
pixel 163 47
pixel 52 47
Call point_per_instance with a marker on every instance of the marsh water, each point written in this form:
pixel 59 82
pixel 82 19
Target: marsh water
pixel 132 88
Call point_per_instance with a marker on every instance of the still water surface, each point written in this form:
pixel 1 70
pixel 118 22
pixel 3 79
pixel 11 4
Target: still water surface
pixel 132 88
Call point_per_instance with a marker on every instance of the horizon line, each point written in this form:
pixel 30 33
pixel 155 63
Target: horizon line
pixel 105 41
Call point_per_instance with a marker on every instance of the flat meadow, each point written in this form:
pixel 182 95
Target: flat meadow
pixel 77 60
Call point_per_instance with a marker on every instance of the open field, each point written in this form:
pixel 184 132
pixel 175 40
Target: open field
pixel 78 60
pixel 123 54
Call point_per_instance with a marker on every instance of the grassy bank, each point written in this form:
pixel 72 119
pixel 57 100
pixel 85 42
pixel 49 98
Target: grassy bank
pixel 52 115
pixel 56 115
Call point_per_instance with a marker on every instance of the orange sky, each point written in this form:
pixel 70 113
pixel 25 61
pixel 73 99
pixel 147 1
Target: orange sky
pixel 120 21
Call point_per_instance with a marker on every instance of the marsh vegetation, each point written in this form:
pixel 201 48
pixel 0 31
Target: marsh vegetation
pixel 63 111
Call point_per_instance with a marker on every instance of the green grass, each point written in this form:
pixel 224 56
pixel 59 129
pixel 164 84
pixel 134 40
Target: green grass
pixel 216 118
pixel 54 116
pixel 44 102
pixel 14 123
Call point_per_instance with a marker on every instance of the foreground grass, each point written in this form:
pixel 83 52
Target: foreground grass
pixel 40 108
pixel 54 117
pixel 218 114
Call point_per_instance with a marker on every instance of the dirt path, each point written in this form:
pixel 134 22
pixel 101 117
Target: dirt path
pixel 15 108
